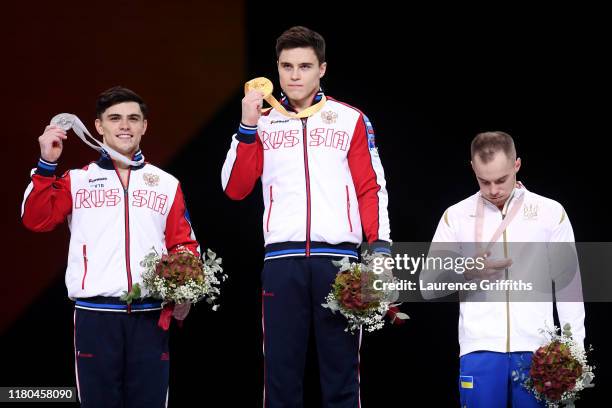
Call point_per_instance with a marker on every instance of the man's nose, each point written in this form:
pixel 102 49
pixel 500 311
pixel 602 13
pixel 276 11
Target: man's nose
pixel 495 190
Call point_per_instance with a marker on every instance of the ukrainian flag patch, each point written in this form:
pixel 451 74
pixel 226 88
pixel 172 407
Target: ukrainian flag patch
pixel 467 381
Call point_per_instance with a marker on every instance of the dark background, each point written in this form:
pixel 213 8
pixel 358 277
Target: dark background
pixel 428 80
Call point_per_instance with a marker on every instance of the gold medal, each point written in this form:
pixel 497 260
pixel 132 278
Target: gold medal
pixel 261 84
pixel 264 85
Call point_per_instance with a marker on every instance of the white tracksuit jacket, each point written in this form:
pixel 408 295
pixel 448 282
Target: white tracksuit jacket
pixel 112 228
pixel 512 326
pixel 322 179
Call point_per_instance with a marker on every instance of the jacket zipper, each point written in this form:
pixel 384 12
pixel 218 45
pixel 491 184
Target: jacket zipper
pixel 84 265
pixel 127 230
pixel 269 210
pixel 307 175
pixel 348 208
pixel 506 276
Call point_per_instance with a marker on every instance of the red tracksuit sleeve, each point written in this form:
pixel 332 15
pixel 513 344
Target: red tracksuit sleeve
pixel 369 181
pixel 243 166
pixel 179 233
pixel 47 202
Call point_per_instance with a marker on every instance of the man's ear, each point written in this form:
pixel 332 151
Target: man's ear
pixel 99 127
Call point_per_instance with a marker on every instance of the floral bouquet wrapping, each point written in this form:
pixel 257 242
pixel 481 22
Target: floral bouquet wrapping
pixel 180 277
pixel 354 296
pixel 559 370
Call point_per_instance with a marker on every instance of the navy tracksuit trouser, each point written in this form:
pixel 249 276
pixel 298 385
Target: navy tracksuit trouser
pixel 122 359
pixel 293 291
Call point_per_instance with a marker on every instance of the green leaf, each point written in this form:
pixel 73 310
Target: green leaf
pixel 128 297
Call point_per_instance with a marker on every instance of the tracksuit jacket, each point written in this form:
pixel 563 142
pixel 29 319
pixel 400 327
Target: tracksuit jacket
pixel 323 182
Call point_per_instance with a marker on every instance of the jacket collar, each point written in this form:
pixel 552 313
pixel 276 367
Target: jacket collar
pixel 105 162
pixel 316 98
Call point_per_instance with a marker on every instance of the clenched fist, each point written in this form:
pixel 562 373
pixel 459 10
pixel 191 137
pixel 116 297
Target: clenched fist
pixel 251 107
pixel 51 143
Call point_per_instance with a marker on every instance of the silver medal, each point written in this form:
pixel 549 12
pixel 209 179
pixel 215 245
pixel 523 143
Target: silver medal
pixel 64 120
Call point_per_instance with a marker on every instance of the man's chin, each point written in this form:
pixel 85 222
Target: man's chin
pixel 295 96
pixel 124 147
pixel 125 152
pixel 497 200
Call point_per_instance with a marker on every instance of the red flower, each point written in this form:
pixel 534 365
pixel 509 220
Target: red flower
pixel 179 266
pixel 554 370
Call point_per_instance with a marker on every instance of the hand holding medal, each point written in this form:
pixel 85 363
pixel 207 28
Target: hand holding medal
pixel 51 143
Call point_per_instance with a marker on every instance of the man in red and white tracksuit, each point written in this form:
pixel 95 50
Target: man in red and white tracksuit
pixel 116 214
pixel 323 188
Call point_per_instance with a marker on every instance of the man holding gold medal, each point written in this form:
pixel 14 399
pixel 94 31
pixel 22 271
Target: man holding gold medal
pixel 323 188
pixel 117 208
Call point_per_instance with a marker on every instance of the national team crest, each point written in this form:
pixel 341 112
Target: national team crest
pixel 329 117
pixel 530 211
pixel 151 180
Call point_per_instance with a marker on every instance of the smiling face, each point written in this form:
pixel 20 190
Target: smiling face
pixel 122 126
pixel 300 73
pixel 496 177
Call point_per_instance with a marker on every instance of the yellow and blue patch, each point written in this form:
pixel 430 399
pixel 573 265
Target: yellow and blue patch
pixel 467 381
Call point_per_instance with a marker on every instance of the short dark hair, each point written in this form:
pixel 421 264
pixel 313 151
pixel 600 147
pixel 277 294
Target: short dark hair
pixel 118 94
pixel 486 144
pixel 301 37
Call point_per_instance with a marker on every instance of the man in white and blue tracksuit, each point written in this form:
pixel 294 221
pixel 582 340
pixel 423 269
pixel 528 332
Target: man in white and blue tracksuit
pixel 323 188
pixel 497 337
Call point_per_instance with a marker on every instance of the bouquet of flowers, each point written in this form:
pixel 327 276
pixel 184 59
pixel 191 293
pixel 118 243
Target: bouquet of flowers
pixel 180 277
pixel 559 370
pixel 354 296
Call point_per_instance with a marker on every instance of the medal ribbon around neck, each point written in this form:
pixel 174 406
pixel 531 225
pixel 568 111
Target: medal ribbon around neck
pixel 502 227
